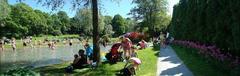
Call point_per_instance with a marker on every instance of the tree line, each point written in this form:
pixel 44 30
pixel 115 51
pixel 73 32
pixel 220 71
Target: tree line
pixel 21 20
pixel 212 22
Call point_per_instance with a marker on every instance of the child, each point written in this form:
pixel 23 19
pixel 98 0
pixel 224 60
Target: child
pixel 126 45
pixel 134 51
pixel 1 45
pixel 130 70
pixel 76 59
pixel 14 44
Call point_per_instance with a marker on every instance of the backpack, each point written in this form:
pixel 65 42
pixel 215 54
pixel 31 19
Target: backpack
pixel 69 69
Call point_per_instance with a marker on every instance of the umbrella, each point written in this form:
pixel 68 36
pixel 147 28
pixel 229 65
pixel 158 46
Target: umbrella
pixel 136 60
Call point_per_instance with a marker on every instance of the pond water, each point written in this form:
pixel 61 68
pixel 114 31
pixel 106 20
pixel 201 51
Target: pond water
pixel 38 56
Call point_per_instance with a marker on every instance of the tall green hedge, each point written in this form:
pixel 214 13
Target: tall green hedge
pixel 215 22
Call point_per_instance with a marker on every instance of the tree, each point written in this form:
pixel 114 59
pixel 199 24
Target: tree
pixel 149 11
pixel 84 20
pixel 107 20
pixel 208 21
pixel 4 9
pixel 118 25
pixel 56 4
pixel 56 25
pixel 4 14
pixel 130 24
pixel 65 22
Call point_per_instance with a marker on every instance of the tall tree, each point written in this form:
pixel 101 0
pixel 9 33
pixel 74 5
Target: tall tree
pixel 118 25
pixel 4 13
pixel 149 11
pixel 84 20
pixel 4 9
pixel 65 22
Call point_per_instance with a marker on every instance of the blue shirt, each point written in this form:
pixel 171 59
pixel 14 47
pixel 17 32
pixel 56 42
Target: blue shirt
pixel 89 50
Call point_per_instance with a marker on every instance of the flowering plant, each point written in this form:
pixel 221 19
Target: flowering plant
pixel 210 51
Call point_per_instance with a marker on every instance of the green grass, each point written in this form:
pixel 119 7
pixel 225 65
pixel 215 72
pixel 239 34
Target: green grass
pixel 147 68
pixel 199 65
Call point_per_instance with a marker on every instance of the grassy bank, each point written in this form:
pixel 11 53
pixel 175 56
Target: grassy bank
pixel 147 68
pixel 199 65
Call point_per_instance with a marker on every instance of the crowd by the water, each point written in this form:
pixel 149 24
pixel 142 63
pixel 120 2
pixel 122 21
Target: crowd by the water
pixel 33 43
pixel 124 50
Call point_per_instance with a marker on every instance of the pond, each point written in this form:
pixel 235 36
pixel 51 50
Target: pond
pixel 39 56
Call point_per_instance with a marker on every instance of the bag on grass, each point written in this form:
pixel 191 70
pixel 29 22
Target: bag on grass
pixel 69 69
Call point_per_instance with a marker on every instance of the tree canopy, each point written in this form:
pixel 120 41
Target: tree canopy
pixel 152 14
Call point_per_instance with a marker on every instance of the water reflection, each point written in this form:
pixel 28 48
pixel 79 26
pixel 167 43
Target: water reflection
pixel 38 56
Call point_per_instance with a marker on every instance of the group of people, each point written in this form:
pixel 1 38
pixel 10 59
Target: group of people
pixel 28 41
pixel 164 39
pixel 124 51
pixel 12 43
pixel 83 59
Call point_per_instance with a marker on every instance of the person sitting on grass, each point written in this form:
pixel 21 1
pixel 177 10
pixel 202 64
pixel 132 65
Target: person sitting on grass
pixel 76 59
pixel 80 60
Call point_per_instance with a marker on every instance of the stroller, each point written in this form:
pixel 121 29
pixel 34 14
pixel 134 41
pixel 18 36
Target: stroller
pixel 114 55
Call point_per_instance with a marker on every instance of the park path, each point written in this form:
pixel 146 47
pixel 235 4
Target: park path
pixel 169 64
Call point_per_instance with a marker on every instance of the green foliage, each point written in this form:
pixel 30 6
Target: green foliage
pixel 65 21
pixel 21 20
pixel 21 72
pixel 208 21
pixel 118 25
pixel 4 9
pixel 152 13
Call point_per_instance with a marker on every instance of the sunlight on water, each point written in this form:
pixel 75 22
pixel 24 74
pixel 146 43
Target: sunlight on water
pixel 39 56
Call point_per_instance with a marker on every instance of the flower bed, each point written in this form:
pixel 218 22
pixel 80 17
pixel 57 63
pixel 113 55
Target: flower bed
pixel 211 51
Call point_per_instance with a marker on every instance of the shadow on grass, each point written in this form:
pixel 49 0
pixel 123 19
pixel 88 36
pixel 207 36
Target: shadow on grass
pixel 156 47
pixel 103 69
pixel 50 70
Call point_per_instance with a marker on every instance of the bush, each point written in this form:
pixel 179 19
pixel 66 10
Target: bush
pixel 21 72
pixel 212 22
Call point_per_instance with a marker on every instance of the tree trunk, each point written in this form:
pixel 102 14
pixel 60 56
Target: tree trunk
pixel 96 48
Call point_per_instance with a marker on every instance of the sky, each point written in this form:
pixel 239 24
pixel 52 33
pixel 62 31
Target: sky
pixel 108 7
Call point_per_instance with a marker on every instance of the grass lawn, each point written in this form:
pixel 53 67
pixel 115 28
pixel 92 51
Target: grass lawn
pixel 199 65
pixel 147 68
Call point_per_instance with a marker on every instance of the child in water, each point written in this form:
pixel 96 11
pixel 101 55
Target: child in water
pixel 13 43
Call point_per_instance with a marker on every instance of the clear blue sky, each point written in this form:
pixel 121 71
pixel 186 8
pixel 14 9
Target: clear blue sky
pixel 109 7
